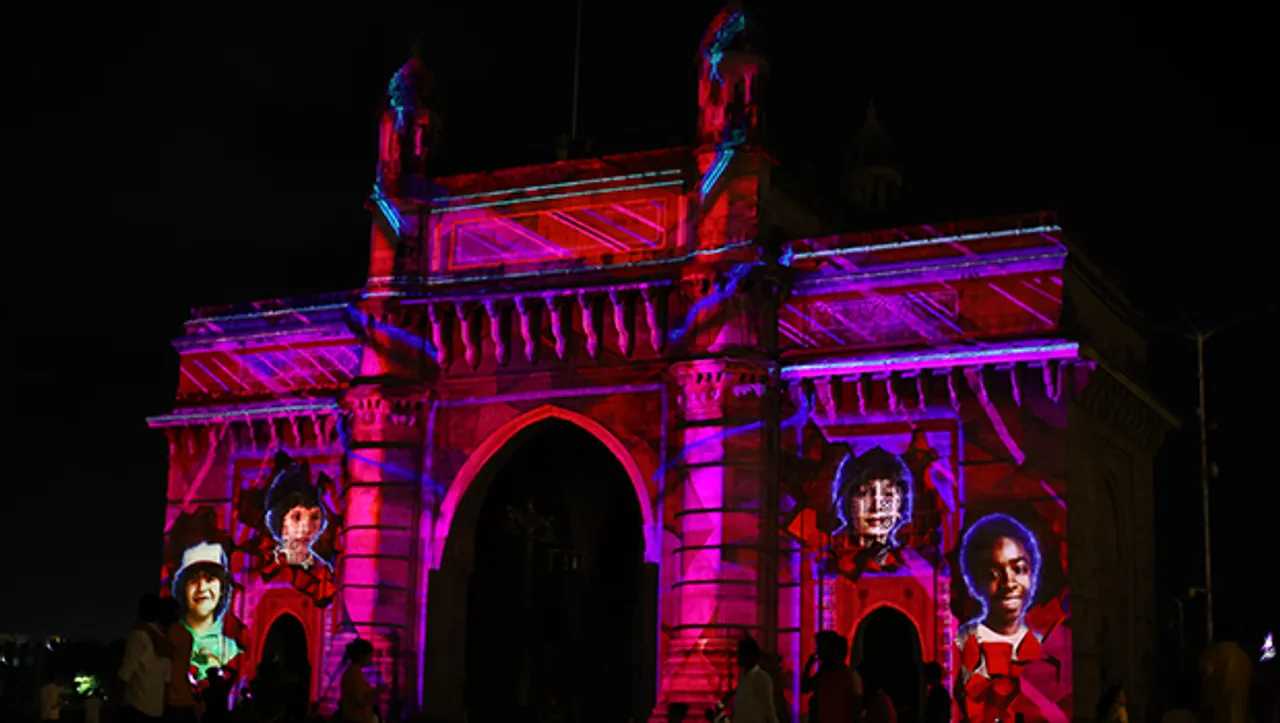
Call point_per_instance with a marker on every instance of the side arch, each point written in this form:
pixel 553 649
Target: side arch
pixel 857 623
pixel 265 631
pixel 473 470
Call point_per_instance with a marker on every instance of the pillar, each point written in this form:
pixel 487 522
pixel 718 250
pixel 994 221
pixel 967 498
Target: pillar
pixel 382 503
pixel 726 561
pixel 382 498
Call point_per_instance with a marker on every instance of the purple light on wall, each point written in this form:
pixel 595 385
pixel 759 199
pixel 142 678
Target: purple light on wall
pixel 240 413
pixel 1028 351
pixel 933 241
pixel 969 267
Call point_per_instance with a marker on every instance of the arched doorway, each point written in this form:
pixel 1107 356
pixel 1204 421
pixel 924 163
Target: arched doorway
pixel 554 595
pixel 285 659
pixel 887 650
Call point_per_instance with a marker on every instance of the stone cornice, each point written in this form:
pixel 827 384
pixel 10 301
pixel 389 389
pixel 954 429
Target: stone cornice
pixel 1112 400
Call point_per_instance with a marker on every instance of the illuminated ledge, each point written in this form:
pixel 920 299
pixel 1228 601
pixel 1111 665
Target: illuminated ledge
pixel 241 413
pixel 1007 353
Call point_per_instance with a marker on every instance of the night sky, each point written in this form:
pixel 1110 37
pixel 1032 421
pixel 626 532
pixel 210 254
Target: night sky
pixel 160 167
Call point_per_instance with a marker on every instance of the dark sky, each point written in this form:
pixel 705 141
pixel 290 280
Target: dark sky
pixel 155 167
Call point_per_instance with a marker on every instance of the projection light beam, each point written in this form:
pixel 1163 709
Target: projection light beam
pixel 1012 353
pixel 796 420
pixel 727 289
pixel 730 29
pixel 388 209
pixel 935 241
pixel 364 322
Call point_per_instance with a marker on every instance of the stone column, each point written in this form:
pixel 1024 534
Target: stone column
pixel 379 557
pixel 720 494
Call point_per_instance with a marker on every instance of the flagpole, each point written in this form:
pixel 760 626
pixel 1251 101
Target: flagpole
pixel 577 64
pixel 1204 485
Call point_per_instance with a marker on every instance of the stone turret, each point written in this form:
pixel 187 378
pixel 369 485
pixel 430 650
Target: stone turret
pixel 409 129
pixel 875 177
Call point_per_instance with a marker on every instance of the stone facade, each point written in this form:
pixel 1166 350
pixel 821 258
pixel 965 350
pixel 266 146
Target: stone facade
pixel 677 306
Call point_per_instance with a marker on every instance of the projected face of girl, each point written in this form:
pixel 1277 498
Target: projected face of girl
pixel 877 509
pixel 298 531
pixel 203 593
pixel 1005 583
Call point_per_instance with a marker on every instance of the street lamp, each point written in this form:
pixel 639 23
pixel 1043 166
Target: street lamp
pixel 1200 337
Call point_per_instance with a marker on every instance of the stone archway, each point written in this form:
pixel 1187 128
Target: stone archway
pixel 284 656
pixel 498 446
pixel 487 580
pixel 887 649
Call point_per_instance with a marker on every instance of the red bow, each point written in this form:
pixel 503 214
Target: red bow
pixel 316 583
pixel 989 696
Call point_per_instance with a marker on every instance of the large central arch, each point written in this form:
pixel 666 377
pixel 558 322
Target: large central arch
pixel 497 445
pixel 453 553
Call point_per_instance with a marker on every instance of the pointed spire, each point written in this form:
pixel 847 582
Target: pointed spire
pixel 415 51
pixel 873 145
pixel 874 177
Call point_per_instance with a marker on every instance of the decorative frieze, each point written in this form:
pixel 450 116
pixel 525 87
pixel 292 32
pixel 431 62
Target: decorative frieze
pixel 709 388
pixel 562 310
pixel 1114 404
pixel 377 408
pixel 251 434
pixel 902 392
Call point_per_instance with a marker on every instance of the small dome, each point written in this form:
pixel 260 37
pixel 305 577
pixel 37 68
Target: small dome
pixel 410 88
pixel 873 146
pixel 734 29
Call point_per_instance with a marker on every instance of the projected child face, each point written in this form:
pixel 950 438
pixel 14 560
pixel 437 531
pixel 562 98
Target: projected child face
pixel 301 525
pixel 203 593
pixel 1007 580
pixel 877 509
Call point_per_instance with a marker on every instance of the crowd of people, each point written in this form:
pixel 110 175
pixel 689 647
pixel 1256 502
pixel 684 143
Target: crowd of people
pixel 835 690
pixel 1230 689
pixel 155 683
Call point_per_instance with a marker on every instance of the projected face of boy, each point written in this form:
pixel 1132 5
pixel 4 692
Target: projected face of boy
pixel 298 531
pixel 877 509
pixel 204 591
pixel 1005 583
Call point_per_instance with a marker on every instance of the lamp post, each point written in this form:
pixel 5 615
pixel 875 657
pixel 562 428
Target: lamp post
pixel 1200 337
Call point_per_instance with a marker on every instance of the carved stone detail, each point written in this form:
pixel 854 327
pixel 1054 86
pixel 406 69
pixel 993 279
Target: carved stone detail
pixel 655 316
pixel 891 390
pixel 377 408
pixel 557 308
pixel 1112 403
pixel 499 330
pixel 468 317
pixel 624 319
pixel 829 395
pixel 709 387
pixel 590 323
pixel 441 335
pixel 530 312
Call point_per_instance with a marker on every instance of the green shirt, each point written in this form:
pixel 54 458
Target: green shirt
pixel 209 645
